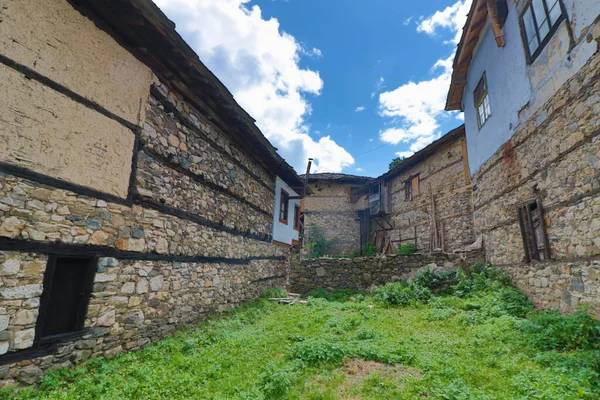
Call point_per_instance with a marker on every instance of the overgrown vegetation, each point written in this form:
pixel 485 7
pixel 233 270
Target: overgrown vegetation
pixel 318 245
pixel 446 335
pixel 406 248
pixel 395 162
pixel 369 250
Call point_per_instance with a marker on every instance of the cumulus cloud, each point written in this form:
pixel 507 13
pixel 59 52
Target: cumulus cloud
pixel 259 64
pixel 379 86
pixel 359 109
pixel 451 19
pixel 417 108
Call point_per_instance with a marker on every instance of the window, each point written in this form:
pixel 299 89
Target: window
pixel 284 201
pixel 538 22
pixel 411 187
pixel 482 101
pixel 68 283
pixel 296 217
pixel 533 231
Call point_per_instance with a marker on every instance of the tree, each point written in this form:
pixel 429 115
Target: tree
pixel 396 161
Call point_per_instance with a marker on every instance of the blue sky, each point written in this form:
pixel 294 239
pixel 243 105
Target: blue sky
pixel 351 83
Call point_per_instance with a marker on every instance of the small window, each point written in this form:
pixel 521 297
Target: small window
pixel 412 187
pixel 296 217
pixel 284 201
pixel 539 21
pixel 482 101
pixel 68 283
pixel 533 231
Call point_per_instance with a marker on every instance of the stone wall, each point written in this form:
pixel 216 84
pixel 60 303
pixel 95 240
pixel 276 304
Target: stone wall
pixel 444 177
pixel 177 215
pixel 554 157
pixel 330 209
pixel 365 272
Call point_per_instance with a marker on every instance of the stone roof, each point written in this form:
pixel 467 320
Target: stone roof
pixel 337 178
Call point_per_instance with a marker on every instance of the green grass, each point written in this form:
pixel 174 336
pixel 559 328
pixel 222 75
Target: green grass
pixel 479 340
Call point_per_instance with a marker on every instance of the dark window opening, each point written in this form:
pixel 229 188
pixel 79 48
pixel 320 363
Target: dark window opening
pixel 284 201
pixel 296 217
pixel 412 188
pixel 533 231
pixel 482 101
pixel 539 21
pixel 68 283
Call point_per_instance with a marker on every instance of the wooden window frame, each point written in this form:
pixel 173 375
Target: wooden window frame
pixel 284 205
pixel 542 42
pixel 45 299
pixel 482 101
pixel 409 193
pixel 535 242
pixel 297 217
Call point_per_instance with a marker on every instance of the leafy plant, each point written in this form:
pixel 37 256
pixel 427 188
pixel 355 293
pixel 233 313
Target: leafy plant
pixel 318 244
pixel 406 248
pixel 370 250
pixel 395 162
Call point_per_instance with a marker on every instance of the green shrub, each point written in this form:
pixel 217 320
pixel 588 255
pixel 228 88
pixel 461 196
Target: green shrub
pixel 315 351
pixel 276 379
pixel 407 248
pixel 318 244
pixel 369 250
pixel 550 330
pixel 274 293
pixel 402 294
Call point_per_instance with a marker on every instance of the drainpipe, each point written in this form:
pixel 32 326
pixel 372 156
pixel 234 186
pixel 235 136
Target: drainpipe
pixel 492 8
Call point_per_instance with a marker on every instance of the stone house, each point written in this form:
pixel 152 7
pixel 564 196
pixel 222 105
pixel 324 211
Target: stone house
pixel 330 208
pixel 136 196
pixel 527 76
pixel 425 200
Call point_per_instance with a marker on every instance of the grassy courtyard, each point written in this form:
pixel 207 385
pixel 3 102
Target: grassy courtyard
pixel 477 339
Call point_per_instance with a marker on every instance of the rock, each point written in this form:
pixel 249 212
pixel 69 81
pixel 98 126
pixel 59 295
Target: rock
pixel 4 347
pixel 156 283
pixel 30 374
pixel 162 246
pixel 41 194
pixel 128 288
pixel 10 267
pixel 93 224
pixel 134 301
pixel 23 339
pixel 122 244
pixel 33 269
pixel 137 233
pixel 11 227
pixel 137 245
pixel 321 271
pixel 22 292
pixel 99 238
pixel 63 210
pixel 142 286
pixel 4 322
pixel 105 277
pixel 25 317
pixel 136 318
pixel 107 319
pixel 173 140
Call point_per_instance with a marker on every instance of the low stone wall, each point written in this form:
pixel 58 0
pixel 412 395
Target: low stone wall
pixel 362 273
pixel 560 286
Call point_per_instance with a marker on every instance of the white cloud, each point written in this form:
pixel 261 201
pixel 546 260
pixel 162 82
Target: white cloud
pixel 359 170
pixel 259 64
pixel 379 86
pixel 359 109
pixel 452 19
pixel 404 154
pixel 407 21
pixel 416 108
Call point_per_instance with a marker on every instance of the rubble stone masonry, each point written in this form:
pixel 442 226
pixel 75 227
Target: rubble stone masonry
pixel 177 217
pixel 330 209
pixel 555 157
pixel 444 179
